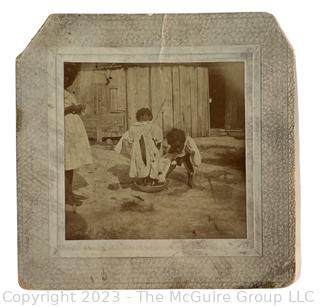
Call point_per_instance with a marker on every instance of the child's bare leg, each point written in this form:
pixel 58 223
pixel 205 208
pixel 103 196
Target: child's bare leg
pixel 68 179
pixel 190 180
pixel 170 170
pixel 190 170
pixel 70 198
pixel 164 167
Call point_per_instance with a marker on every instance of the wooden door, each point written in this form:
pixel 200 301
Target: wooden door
pixel 110 98
pixel 217 92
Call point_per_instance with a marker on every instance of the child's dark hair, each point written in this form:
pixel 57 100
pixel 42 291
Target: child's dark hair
pixel 144 111
pixel 70 73
pixel 175 135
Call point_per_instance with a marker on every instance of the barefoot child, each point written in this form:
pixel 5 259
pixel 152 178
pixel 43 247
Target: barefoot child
pixel 76 143
pixel 182 150
pixel 146 140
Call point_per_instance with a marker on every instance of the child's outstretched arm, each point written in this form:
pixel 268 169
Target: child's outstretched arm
pixel 74 108
pixel 125 137
pixel 157 136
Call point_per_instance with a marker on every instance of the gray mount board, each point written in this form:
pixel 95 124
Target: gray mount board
pixel 267 258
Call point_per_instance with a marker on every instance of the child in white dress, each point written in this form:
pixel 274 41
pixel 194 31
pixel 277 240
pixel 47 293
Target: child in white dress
pixel 146 140
pixel 76 144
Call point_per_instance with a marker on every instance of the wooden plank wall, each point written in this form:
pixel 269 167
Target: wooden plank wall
pixel 182 94
pixel 138 91
pixel 166 97
pixel 177 112
pixel 191 99
pixel 185 98
pixel 161 96
pixel 203 102
pixel 177 95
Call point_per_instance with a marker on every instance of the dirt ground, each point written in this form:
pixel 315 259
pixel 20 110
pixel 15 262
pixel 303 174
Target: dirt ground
pixel 115 209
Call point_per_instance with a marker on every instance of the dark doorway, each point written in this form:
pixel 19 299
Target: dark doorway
pixel 226 96
pixel 217 94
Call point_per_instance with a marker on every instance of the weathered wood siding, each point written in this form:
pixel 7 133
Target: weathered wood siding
pixel 191 99
pixel 138 91
pixel 161 96
pixel 203 114
pixel 178 96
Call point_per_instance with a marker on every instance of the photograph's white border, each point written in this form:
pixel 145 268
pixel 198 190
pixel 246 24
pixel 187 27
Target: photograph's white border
pixel 251 246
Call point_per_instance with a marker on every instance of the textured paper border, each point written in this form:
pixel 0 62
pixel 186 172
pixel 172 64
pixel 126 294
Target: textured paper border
pixel 276 267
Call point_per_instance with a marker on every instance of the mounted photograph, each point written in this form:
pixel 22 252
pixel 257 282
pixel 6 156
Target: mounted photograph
pixel 157 151
pixel 154 151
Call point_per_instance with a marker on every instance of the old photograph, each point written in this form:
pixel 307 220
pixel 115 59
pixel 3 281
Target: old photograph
pixel 154 151
pixel 162 154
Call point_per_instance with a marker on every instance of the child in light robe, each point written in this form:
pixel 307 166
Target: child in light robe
pixel 146 141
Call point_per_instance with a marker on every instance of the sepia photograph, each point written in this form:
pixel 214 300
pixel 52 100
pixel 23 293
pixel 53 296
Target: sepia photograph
pixel 154 151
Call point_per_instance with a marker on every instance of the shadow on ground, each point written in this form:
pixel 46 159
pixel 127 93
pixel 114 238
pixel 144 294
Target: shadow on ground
pixel 78 181
pixel 76 226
